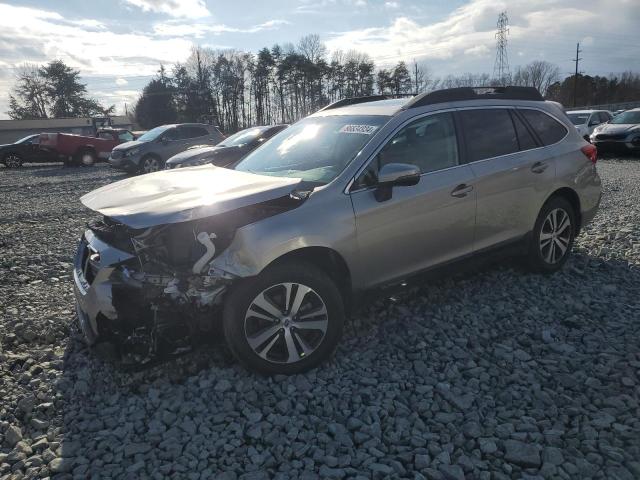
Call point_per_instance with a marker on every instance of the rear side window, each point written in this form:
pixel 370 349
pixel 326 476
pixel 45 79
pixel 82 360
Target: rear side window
pixel 604 117
pixel 488 133
pixel 549 130
pixel 193 132
pixel 525 139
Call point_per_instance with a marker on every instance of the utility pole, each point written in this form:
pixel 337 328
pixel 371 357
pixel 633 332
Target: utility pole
pixel 501 66
pixel 415 75
pixel 575 77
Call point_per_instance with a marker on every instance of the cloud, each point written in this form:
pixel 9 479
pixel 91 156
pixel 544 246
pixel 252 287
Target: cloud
pixel 464 41
pixel 121 82
pixel 199 30
pixel 391 5
pixel 173 8
pixel 29 35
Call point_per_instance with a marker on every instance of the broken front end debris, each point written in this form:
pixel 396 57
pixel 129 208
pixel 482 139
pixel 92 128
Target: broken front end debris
pixel 155 289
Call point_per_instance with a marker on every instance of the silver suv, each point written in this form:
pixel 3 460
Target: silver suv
pixel 367 191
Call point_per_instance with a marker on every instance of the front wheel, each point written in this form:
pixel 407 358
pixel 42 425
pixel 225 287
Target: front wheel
pixel 150 164
pixel 552 236
pixel 13 160
pixel 286 320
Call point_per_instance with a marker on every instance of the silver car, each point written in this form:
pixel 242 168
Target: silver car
pixel 365 192
pixel 620 135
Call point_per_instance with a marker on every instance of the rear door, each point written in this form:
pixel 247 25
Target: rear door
pixel 196 135
pixel 512 173
pixel 420 225
pixel 173 142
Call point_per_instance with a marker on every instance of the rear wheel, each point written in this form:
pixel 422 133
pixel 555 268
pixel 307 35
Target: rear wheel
pixel 150 164
pixel 286 320
pixel 12 160
pixel 553 236
pixel 87 158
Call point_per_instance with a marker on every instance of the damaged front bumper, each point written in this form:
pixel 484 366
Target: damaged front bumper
pixel 94 270
pixel 117 300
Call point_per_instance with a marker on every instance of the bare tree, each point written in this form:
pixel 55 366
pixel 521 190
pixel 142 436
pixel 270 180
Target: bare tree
pixel 539 74
pixel 28 99
pixel 312 48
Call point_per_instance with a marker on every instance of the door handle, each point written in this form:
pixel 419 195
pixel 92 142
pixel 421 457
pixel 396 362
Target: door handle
pixel 539 167
pixel 461 190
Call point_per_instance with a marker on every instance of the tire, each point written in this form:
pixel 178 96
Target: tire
pixel 12 160
pixel 281 344
pixel 87 158
pixel 150 164
pixel 546 254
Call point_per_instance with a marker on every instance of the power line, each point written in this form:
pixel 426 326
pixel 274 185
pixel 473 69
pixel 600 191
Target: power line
pixel 501 66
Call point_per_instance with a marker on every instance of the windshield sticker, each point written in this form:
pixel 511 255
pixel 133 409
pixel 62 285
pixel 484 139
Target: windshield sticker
pixel 361 129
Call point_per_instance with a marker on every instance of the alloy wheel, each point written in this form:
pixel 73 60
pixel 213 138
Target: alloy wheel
pixel 87 159
pixel 286 323
pixel 555 236
pixel 150 165
pixel 13 160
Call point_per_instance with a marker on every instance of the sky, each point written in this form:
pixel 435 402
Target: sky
pixel 118 45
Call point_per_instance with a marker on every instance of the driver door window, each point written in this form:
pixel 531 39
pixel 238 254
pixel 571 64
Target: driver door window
pixel 429 143
pixel 171 135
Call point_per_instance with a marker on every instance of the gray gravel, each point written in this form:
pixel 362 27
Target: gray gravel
pixel 495 374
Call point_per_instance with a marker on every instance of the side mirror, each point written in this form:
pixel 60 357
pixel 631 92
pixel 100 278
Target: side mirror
pixel 395 175
pixel 593 123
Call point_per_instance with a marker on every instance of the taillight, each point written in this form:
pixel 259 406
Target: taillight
pixel 591 152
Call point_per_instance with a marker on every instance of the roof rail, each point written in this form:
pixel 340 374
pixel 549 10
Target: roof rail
pixel 369 98
pixel 474 93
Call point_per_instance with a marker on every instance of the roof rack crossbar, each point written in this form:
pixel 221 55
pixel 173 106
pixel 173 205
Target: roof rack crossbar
pixel 475 93
pixel 368 98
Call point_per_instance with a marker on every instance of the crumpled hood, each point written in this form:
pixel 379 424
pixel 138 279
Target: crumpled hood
pixel 616 128
pixel 179 195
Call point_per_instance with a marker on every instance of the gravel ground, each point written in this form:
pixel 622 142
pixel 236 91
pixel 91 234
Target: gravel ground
pixel 496 374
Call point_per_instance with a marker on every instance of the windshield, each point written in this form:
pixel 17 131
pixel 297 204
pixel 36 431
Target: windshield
pixel 627 117
pixel 315 149
pixel 242 137
pixel 27 138
pixel 153 133
pixel 578 118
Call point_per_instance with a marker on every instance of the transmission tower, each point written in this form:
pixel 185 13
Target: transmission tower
pixel 501 67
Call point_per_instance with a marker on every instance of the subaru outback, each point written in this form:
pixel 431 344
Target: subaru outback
pixel 366 192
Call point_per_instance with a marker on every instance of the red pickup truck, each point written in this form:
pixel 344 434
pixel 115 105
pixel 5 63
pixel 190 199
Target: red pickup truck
pixel 81 150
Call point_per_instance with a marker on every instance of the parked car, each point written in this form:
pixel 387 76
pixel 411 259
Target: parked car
pixel 25 150
pixel 618 112
pixel 622 134
pixel 586 120
pixel 230 150
pixel 151 150
pixel 83 150
pixel 365 192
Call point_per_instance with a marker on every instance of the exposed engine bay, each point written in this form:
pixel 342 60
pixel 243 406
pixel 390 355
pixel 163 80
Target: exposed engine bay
pixel 152 290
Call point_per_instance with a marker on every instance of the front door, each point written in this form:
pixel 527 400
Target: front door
pixel 422 225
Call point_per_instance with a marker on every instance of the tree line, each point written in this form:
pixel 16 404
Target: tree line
pixel 236 89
